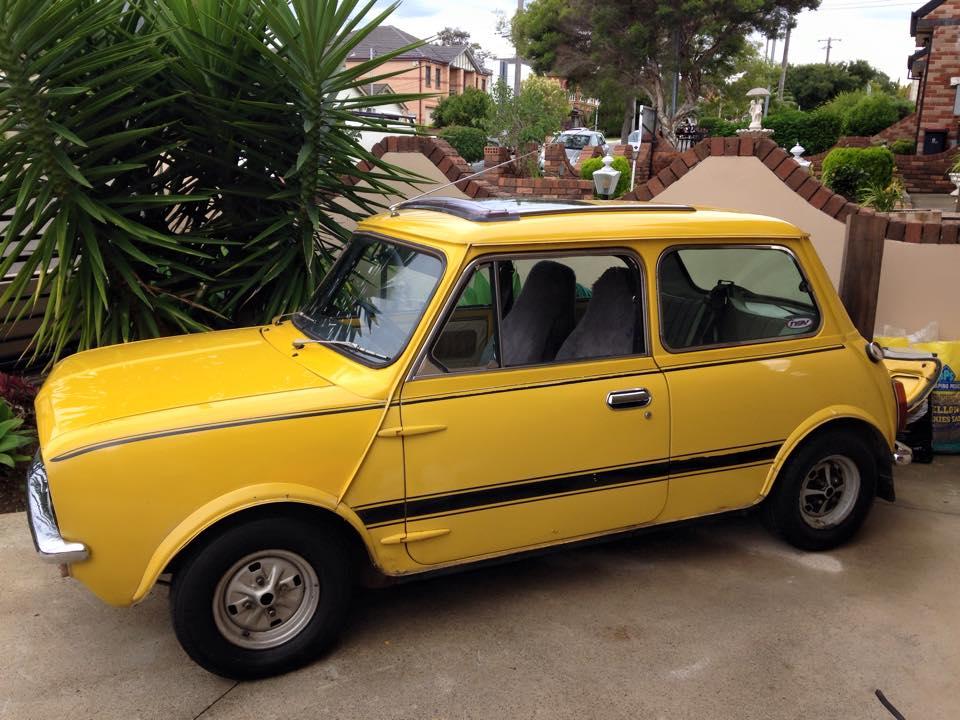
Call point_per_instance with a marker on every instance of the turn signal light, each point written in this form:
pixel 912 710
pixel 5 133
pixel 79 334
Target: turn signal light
pixel 901 395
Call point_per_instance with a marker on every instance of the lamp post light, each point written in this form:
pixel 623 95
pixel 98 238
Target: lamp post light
pixel 606 178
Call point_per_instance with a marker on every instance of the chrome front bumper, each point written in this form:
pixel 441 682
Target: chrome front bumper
pixel 51 547
pixel 902 454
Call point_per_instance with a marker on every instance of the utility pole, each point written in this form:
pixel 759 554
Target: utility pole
pixel 829 41
pixel 516 59
pixel 783 63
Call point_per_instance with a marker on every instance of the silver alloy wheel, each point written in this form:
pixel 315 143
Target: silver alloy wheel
pixel 829 492
pixel 266 599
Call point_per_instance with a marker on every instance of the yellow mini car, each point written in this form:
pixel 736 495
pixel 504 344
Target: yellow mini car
pixel 473 380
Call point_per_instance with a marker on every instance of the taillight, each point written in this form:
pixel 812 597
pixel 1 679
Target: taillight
pixel 901 394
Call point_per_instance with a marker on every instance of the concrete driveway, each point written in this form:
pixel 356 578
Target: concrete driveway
pixel 714 621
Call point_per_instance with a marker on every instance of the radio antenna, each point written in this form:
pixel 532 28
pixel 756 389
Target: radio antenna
pixel 395 208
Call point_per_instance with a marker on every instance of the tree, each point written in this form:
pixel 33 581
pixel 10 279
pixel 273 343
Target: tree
pixel 531 116
pixel 170 165
pixel 452 37
pixel 647 43
pixel 726 97
pixel 817 83
pixel 470 108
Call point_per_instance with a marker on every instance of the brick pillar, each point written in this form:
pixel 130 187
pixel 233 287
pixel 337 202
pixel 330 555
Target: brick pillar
pixel 492 156
pixel 591 151
pixel 624 151
pixel 554 160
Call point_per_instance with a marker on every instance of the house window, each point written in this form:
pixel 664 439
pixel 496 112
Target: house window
pixel 483 85
pixel 427 75
pixel 438 78
pixel 503 70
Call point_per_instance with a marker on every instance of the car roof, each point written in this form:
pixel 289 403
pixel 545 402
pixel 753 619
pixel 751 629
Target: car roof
pixel 457 221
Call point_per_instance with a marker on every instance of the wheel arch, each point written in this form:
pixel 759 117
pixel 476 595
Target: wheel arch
pixel 834 420
pixel 247 504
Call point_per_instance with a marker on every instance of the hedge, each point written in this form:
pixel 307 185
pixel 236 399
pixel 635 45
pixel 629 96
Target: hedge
pixel 619 163
pixel 467 141
pixel 815 131
pixel 849 171
pixel 903 146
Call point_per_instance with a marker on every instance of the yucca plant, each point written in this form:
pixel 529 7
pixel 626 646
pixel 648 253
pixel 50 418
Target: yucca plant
pixel 170 165
pixel 882 198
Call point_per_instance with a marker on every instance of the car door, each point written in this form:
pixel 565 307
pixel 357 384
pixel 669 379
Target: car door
pixel 536 414
pixel 746 355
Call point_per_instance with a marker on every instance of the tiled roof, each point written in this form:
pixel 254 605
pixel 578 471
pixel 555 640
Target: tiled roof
pixel 387 38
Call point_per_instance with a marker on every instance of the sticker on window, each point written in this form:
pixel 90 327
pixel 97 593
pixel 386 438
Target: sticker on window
pixel 799 323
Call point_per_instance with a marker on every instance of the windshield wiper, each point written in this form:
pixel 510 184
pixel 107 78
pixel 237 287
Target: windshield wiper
pixel 298 345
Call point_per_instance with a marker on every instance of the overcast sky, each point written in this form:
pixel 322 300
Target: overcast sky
pixel 877 31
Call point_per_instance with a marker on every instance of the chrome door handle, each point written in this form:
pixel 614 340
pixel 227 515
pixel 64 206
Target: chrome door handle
pixel 625 399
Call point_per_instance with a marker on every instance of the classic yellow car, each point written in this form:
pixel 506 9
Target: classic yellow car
pixel 474 379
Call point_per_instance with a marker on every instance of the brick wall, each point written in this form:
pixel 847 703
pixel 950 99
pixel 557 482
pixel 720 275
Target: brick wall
pixel 937 101
pixel 551 188
pixel 903 129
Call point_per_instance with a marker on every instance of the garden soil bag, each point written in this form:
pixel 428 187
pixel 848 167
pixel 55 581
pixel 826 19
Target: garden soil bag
pixel 945 398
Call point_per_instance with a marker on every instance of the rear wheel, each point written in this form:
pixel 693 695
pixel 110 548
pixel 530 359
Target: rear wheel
pixel 262 598
pixel 824 492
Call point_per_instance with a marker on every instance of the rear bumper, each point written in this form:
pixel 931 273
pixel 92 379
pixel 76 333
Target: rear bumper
pixel 50 545
pixel 902 454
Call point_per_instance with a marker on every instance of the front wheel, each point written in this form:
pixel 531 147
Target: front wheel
pixel 262 598
pixel 823 493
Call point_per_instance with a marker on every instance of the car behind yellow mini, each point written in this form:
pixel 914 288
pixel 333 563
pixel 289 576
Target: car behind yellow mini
pixel 472 380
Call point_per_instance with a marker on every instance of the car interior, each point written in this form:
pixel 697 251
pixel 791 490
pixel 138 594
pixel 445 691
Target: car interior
pixel 727 312
pixel 547 316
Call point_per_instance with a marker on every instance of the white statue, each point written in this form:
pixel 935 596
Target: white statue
pixel 756 113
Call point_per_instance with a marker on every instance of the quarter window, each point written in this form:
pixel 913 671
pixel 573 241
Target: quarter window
pixel 530 311
pixel 733 295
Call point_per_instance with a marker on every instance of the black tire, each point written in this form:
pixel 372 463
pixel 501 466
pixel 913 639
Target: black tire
pixel 195 584
pixel 782 511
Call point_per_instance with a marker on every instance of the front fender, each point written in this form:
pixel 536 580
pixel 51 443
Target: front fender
pixel 233 502
pixel 814 423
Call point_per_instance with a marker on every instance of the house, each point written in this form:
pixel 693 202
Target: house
pixel 438 70
pixel 394 115
pixel 936 68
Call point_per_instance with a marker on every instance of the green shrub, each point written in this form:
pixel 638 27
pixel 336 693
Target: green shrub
pixel 471 108
pixel 467 141
pixel 619 163
pixel 10 439
pixel 849 171
pixel 880 198
pixel 816 131
pixel 871 115
pixel 718 127
pixel 903 146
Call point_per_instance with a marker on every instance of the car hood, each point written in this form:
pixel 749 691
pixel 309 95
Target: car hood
pixel 122 381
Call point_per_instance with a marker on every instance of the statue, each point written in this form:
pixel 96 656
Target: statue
pixel 756 113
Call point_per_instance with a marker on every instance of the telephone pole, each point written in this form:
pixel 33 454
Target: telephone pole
pixel 829 41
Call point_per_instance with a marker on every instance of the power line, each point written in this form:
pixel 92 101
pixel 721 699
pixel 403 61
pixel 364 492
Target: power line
pixel 829 41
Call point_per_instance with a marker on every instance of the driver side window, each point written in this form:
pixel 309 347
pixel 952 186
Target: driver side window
pixel 524 310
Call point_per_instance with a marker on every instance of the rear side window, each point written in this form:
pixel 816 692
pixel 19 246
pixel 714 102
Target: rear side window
pixel 712 296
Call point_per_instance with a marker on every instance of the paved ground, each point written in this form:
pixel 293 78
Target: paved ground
pixel 717 621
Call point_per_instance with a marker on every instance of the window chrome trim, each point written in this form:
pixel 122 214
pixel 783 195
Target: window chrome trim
pixel 426 250
pixel 632 256
pixel 50 545
pixel 727 245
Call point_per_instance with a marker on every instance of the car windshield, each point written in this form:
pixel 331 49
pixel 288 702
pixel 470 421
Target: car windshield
pixel 634 136
pixel 575 142
pixel 372 299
